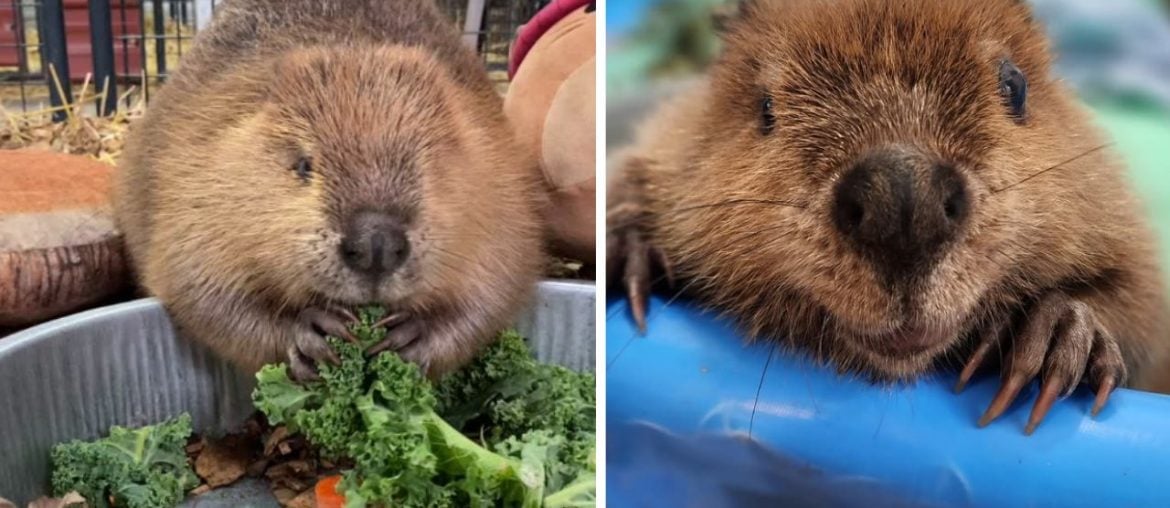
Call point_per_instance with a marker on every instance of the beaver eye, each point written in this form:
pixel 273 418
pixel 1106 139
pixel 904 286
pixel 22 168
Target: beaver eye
pixel 767 119
pixel 1013 87
pixel 303 168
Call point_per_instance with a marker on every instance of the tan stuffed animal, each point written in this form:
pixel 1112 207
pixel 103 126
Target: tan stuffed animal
pixel 550 103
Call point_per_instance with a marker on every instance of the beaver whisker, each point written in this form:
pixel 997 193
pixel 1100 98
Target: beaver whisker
pixel 680 292
pixel 1086 152
pixel 731 202
pixel 742 201
pixel 453 254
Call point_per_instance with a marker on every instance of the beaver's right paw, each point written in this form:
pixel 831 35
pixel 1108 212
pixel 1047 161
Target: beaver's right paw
pixel 310 346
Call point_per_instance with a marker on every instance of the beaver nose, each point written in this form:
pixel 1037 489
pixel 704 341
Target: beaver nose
pixel 899 212
pixel 374 244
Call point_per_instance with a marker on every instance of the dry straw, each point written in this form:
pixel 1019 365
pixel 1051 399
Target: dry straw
pixel 80 134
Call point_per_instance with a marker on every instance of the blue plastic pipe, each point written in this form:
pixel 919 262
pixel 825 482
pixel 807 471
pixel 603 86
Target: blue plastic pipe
pixel 697 418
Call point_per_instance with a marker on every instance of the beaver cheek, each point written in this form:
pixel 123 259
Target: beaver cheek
pixel 326 274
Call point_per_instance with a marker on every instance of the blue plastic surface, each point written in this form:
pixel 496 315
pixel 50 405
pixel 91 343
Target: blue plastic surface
pixel 696 418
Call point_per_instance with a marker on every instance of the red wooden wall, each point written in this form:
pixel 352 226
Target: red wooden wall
pixel 126 22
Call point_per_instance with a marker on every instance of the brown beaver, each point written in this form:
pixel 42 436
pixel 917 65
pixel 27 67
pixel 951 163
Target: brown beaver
pixel 312 156
pixel 890 185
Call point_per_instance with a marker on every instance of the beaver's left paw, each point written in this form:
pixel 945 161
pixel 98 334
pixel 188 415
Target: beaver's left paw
pixel 1060 341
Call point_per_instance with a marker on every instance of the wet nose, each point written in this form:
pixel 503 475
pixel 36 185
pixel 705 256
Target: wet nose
pixel 899 211
pixel 374 244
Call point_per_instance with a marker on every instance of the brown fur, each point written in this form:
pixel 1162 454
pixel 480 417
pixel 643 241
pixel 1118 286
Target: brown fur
pixel 848 75
pixel 395 114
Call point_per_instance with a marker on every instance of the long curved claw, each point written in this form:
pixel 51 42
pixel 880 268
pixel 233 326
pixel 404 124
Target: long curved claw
pixel 1107 370
pixel 391 321
pixel 1048 396
pixel 637 278
pixel 301 369
pixel 1103 393
pixel 973 365
pixel 1004 398
pixel 326 322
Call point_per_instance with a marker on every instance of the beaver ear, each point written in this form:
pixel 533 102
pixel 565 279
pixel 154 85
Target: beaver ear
pixel 303 66
pixel 727 14
pixel 1024 7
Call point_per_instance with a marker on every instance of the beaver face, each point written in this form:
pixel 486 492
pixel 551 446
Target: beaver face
pixel 356 155
pixel 871 137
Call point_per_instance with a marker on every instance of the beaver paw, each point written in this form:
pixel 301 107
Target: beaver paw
pixel 1060 339
pixel 310 346
pixel 633 257
pixel 405 336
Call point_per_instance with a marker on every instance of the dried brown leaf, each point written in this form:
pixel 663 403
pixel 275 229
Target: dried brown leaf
pixel 220 464
pixel 257 468
pixel 71 499
pixel 284 496
pixel 195 448
pixel 307 499
pixel 278 435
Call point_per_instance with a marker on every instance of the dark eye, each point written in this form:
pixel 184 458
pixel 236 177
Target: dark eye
pixel 767 119
pixel 304 168
pixel 1013 86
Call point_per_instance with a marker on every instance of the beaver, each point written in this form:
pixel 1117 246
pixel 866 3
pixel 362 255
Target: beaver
pixel 309 157
pixel 892 187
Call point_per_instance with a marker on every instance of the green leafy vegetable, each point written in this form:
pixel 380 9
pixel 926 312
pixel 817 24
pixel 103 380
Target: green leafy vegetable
pixel 505 431
pixel 515 400
pixel 134 468
pixel 582 493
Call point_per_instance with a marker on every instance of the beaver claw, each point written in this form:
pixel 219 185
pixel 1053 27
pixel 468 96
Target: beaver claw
pixel 634 258
pixel 310 346
pixel 1061 340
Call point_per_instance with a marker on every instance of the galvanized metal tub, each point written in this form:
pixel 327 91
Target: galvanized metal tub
pixel 74 377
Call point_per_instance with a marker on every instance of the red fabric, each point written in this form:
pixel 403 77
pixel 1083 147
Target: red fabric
pixel 536 27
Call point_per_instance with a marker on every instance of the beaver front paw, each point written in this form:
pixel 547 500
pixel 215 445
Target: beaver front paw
pixel 309 345
pixel 405 335
pixel 631 258
pixel 1061 340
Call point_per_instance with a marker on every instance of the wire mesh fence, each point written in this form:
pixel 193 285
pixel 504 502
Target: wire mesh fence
pixel 106 52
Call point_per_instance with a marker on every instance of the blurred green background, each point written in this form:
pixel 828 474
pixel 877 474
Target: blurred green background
pixel 1116 54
